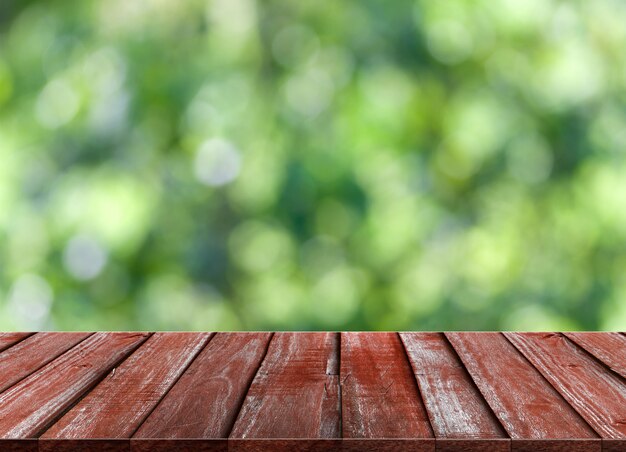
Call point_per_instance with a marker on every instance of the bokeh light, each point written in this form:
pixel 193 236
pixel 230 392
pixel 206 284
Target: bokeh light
pixel 237 164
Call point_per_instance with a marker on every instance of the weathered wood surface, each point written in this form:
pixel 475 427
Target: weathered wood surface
pixel 610 348
pixel 295 391
pixel 216 382
pixel 379 395
pixel 599 396
pixel 30 406
pixel 527 406
pixel 312 391
pixel 8 339
pixel 33 353
pixel 122 401
pixel 456 409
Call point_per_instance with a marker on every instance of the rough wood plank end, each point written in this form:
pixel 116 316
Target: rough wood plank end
pixel 18 445
pixel 473 445
pixel 178 445
pixel 557 445
pixel 84 445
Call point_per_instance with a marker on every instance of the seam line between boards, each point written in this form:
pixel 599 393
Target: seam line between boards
pixel 201 349
pixel 519 352
pixel 245 393
pixel 91 387
pixel 407 360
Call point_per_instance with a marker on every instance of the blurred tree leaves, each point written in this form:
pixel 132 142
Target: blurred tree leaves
pixel 232 164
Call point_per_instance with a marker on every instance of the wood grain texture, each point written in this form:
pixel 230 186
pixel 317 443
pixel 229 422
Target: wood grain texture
pixel 295 391
pixel 117 406
pixel 455 407
pixel 528 407
pixel 379 394
pixel 452 392
pixel 8 339
pixel 610 348
pixel 216 382
pixel 31 405
pixel 33 353
pixel 599 396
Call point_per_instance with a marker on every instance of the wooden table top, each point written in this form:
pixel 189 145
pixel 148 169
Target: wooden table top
pixel 313 391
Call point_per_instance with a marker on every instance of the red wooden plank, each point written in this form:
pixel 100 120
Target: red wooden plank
pixel 9 339
pixel 117 406
pixel 527 406
pixel 610 348
pixel 295 392
pixel 455 407
pixel 33 353
pixel 597 394
pixel 379 394
pixel 28 407
pixel 527 380
pixel 216 382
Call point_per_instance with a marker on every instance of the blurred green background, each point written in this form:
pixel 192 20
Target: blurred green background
pixel 232 164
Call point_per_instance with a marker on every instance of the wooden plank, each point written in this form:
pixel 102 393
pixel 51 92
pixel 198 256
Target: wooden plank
pixel 531 411
pixel 9 339
pixel 295 392
pixel 216 382
pixel 455 407
pixel 33 353
pixel 117 406
pixel 610 348
pixel 597 394
pixel 30 406
pixel 288 388
pixel 380 397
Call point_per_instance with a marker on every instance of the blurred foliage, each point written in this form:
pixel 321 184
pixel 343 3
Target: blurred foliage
pixel 234 164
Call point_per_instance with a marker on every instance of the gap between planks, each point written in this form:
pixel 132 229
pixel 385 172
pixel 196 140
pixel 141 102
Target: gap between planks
pixel 176 380
pixel 93 386
pixel 243 399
